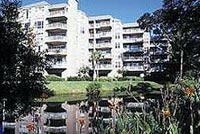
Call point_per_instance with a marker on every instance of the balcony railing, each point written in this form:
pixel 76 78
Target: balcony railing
pixel 57 38
pixel 62 129
pixel 101 45
pixel 103 34
pixel 59 65
pixel 133 50
pixel 132 58
pixel 56 51
pixel 132 31
pixel 134 68
pixel 50 115
pixel 107 55
pixel 105 66
pixel 57 13
pixel 133 40
pixel 57 25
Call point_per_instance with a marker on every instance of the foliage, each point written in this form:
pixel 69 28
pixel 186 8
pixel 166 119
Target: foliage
pixel 93 91
pixel 84 72
pixel 95 58
pixel 178 23
pixel 21 67
pixel 77 78
pixel 106 78
pixel 130 78
pixel 177 112
pixel 53 77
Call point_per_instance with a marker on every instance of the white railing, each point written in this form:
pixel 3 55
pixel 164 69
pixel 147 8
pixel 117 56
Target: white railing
pixel 133 58
pixel 132 31
pixel 133 39
pixel 59 65
pixel 58 50
pixel 57 13
pixel 107 55
pixel 103 45
pixel 57 25
pixel 105 66
pixel 57 38
pixel 103 34
pixel 61 129
pixel 133 50
pixel 134 68
pixel 106 23
pixel 50 115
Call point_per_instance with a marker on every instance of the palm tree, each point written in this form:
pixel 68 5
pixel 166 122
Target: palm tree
pixel 94 58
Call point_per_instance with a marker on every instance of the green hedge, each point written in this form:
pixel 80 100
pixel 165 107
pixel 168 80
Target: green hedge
pixel 130 78
pixel 53 77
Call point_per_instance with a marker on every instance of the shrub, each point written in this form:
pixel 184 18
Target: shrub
pixel 54 77
pixel 130 78
pixel 93 91
pixel 76 78
pixel 105 78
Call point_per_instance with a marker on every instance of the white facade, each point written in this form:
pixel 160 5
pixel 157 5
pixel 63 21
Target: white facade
pixel 69 37
pixel 124 46
pixel 61 31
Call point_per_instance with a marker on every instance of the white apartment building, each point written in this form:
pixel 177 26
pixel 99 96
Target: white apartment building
pixel 69 37
pixel 124 46
pixel 62 31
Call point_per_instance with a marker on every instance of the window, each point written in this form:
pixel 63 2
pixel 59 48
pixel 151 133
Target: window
pixel 117 36
pixel 39 24
pixel 117 45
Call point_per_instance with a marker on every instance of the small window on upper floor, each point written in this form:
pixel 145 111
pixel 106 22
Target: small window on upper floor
pixel 39 24
pixel 117 45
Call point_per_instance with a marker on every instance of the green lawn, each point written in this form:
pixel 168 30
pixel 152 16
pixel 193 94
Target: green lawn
pixel 75 90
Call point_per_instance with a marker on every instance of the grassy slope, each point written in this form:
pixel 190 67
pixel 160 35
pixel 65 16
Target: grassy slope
pixel 74 90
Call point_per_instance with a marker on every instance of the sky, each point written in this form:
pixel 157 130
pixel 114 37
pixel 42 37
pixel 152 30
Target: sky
pixel 125 10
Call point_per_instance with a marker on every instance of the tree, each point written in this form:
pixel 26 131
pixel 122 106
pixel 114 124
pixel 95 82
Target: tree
pixel 94 58
pixel 178 22
pixel 21 67
pixel 84 72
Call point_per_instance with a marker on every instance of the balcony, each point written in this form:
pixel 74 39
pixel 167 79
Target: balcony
pixel 132 58
pixel 62 129
pixel 133 50
pixel 57 51
pixel 107 56
pixel 57 14
pixel 132 40
pixel 134 68
pixel 132 31
pixel 103 35
pixel 105 24
pixel 54 26
pixel 51 39
pixel 56 116
pixel 59 65
pixel 104 67
pixel 100 45
pixel 104 45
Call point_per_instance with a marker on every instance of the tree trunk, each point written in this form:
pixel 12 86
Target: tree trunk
pixel 94 71
pixel 181 66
